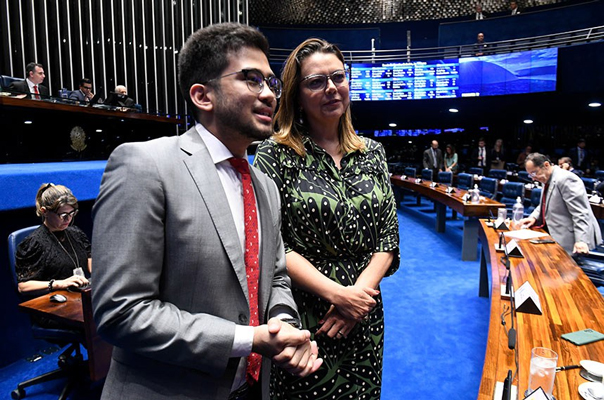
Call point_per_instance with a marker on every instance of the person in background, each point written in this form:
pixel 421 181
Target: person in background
pixel 514 8
pixel 451 164
pixel 479 14
pixel 119 98
pixel 522 156
pixel 480 156
pixel 193 291
pixel 497 155
pixel 57 254
pixel 567 164
pixel 563 210
pixel 580 156
pixel 480 46
pixel 31 86
pixel 339 225
pixel 84 93
pixel 433 159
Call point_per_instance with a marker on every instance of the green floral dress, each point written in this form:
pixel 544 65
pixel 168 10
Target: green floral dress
pixel 335 218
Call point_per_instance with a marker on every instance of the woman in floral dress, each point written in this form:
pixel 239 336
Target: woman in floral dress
pixel 339 225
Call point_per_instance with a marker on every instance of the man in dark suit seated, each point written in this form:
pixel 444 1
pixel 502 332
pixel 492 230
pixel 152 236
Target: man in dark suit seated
pixel 84 94
pixel 193 287
pixel 479 14
pixel 31 86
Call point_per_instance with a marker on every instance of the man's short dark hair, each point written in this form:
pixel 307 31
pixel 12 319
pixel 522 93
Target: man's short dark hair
pixel 31 67
pixel 205 54
pixel 85 80
pixel 537 159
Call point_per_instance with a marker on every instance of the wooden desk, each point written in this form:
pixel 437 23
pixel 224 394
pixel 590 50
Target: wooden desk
pixel 569 301
pixel 454 201
pixel 76 312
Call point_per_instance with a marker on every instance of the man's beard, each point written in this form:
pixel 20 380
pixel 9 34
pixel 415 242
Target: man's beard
pixel 229 114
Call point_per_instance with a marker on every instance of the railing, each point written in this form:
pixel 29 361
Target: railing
pixel 580 36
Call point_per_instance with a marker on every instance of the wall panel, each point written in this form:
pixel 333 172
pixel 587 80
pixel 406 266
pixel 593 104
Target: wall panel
pixel 130 42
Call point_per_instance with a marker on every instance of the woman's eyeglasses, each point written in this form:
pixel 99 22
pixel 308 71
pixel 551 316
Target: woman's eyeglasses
pixel 67 215
pixel 318 82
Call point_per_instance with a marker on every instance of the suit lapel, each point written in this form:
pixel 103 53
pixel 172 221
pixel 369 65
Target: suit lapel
pixel 550 189
pixel 203 171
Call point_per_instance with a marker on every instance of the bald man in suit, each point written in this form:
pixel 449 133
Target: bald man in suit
pixel 174 290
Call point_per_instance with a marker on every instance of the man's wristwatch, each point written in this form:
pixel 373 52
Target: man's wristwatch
pixel 293 322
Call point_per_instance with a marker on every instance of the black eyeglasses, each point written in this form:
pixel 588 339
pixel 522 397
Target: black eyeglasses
pixel 67 215
pixel 318 82
pixel 255 81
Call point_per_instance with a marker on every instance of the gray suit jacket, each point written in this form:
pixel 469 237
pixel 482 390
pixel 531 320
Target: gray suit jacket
pixel 567 211
pixel 428 160
pixel 169 274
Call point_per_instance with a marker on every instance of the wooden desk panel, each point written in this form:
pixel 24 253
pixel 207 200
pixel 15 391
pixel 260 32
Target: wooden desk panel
pixel 76 312
pixel 569 301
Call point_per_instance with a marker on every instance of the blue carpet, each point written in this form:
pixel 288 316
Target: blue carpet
pixel 436 325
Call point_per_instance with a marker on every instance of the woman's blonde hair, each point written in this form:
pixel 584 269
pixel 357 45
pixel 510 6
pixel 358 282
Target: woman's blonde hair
pixel 52 197
pixel 289 120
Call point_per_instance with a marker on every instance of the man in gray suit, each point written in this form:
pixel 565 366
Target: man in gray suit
pixel 433 159
pixel 564 210
pixel 171 286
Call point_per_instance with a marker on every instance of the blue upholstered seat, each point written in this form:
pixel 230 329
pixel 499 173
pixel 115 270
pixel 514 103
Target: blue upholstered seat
pixel 465 181
pixel 498 173
pixel 589 183
pixel 476 171
pixel 524 176
pixel 488 187
pixel 510 192
pixel 410 172
pixel 426 174
pixel 445 177
pixel 599 175
pixel 535 198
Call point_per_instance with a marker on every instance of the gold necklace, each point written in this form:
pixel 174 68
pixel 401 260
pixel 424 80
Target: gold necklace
pixel 75 262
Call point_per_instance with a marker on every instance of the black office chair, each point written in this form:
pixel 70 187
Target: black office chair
pixel 534 202
pixel 488 187
pixel 445 177
pixel 498 174
pixel 476 171
pixel 465 181
pixel 71 364
pixel 510 193
pixel 6 80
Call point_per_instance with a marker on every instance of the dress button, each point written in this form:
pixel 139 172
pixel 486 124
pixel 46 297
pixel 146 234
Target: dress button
pixel 243 319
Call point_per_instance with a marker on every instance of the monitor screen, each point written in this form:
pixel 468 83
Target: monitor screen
pixel 488 75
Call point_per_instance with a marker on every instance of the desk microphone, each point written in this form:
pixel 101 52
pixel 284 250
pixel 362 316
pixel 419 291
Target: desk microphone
pixel 512 331
pixel 507 386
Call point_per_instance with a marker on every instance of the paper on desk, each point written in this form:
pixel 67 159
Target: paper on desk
pixel 524 234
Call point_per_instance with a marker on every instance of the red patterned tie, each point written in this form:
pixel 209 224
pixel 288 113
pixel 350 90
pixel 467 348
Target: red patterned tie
pixel 37 96
pixel 545 187
pixel 252 267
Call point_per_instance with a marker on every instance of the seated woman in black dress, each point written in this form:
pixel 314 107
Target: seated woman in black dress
pixel 57 254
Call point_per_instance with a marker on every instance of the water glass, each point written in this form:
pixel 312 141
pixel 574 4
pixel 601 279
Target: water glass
pixel 543 370
pixel 502 213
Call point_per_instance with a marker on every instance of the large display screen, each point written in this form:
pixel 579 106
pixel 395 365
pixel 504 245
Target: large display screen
pixel 488 75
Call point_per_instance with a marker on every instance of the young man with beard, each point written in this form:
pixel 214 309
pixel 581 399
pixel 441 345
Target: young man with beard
pixel 191 286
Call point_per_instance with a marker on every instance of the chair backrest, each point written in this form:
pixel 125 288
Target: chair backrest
pixel 426 174
pixel 498 173
pixel 524 176
pixel 512 190
pixel 445 177
pixel 511 167
pixel 488 187
pixel 410 172
pixel 465 181
pixel 590 184
pixel 600 175
pixel 6 80
pixel 476 171
pixel 535 196
pixel 13 242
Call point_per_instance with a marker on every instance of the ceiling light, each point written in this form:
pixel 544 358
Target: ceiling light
pixel 453 110
pixel 595 104
pixel 99 130
pixel 528 121
pixel 392 125
pixel 28 122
